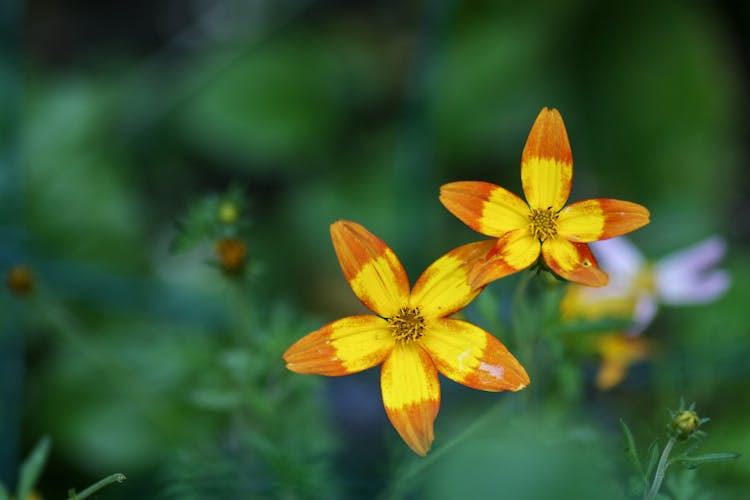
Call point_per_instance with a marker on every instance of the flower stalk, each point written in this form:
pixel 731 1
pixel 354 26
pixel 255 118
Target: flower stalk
pixel 661 470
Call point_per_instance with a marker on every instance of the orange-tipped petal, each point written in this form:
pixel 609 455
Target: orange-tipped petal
pixel 411 395
pixel 372 269
pixel 443 287
pixel 547 163
pixel 600 219
pixel 485 207
pixel 513 252
pixel 573 261
pixel 467 354
pixel 349 345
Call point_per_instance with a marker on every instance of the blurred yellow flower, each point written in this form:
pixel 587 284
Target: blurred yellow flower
pixel 618 352
pixel 409 334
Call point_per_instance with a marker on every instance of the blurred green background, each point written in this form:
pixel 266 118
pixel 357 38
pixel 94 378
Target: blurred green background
pixel 117 119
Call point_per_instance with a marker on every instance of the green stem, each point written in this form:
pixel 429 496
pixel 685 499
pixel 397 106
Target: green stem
pixel 523 334
pixel 661 470
pixel 114 478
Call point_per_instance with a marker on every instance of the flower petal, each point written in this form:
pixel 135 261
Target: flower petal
pixel 686 277
pixel 618 256
pixel 411 395
pixel 443 287
pixel 372 269
pixel 547 162
pixel 573 261
pixel 619 352
pixel 485 207
pixel 465 353
pixel 349 345
pixel 599 219
pixel 513 252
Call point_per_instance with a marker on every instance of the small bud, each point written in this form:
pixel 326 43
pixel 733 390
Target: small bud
pixel 684 424
pixel 232 253
pixel 228 212
pixel 20 280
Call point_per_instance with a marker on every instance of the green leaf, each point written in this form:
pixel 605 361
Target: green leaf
pixel 636 486
pixel 653 456
pixel 630 449
pixel 31 468
pixel 3 493
pixel 705 458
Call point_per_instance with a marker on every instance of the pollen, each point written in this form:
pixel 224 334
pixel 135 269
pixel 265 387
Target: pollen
pixel 407 325
pixel 543 223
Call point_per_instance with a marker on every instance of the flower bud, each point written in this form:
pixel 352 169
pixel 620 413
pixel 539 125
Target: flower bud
pixel 20 280
pixel 232 254
pixel 227 212
pixel 684 424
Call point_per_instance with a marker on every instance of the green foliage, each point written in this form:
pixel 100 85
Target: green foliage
pixel 143 359
pixel 203 222
pixel 31 468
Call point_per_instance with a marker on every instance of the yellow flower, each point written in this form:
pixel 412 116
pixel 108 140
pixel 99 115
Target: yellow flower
pixel 542 225
pixel 409 334
pixel 619 352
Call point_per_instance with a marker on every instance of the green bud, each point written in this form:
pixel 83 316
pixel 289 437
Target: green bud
pixel 684 424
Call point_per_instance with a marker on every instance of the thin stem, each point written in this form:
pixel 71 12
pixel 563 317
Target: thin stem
pixel 114 478
pixel 522 332
pixel 661 470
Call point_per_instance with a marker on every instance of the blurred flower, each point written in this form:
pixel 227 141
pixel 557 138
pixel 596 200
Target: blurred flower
pixel 524 230
pixel 20 280
pixel 683 278
pixel 634 292
pixel 618 352
pixel 232 254
pixel 409 333
pixel 227 213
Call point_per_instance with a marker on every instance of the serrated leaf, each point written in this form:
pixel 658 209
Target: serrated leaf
pixel 653 456
pixel 630 449
pixel 705 458
pixel 31 468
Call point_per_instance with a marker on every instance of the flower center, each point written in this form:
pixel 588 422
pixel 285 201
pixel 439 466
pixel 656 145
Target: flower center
pixel 543 223
pixel 407 325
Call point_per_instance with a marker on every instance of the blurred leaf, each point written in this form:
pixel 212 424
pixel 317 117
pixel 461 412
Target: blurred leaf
pixel 80 201
pixel 691 462
pixel 32 467
pixel 653 457
pixel 636 486
pixel 276 107
pixel 630 449
pixel 4 493
pixel 682 485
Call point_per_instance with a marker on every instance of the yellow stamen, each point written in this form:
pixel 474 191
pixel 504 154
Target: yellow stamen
pixel 543 223
pixel 407 325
